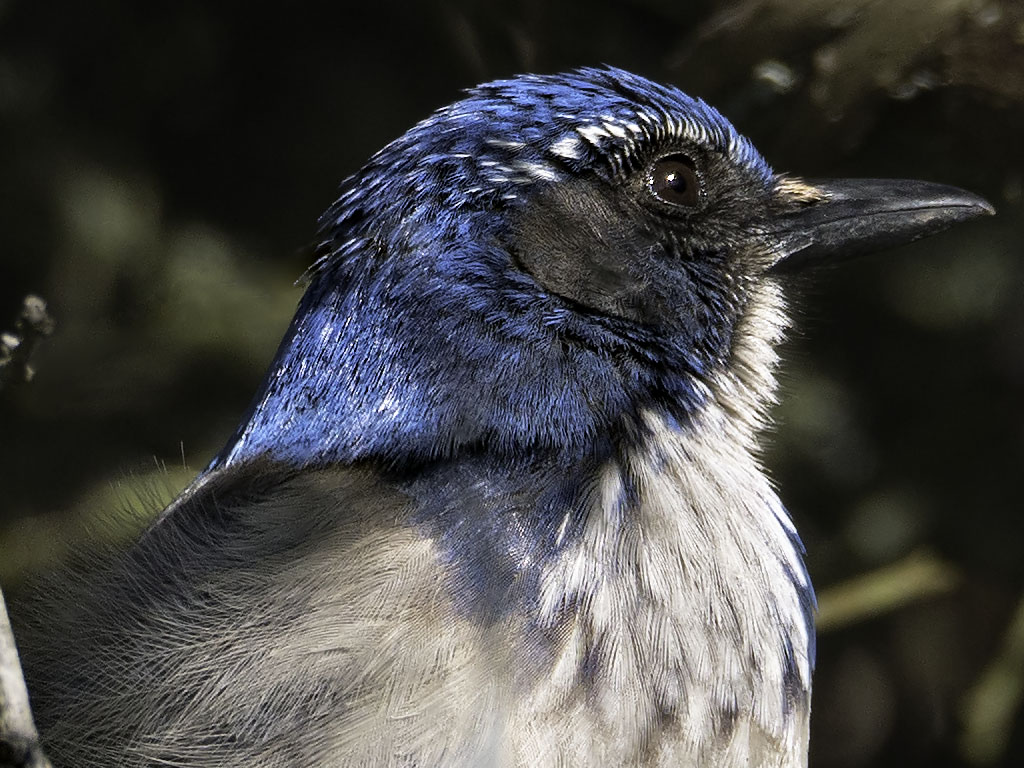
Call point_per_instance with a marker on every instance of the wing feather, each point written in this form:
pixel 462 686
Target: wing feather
pixel 272 618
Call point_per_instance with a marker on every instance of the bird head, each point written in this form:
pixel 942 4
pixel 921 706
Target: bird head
pixel 532 268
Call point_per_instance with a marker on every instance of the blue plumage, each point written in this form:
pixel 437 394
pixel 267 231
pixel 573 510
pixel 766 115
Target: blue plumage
pixel 498 499
pixel 419 334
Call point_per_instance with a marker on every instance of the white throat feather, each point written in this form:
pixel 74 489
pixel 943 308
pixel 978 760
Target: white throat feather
pixel 691 604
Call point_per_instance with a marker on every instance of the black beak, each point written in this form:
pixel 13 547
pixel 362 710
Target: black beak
pixel 848 217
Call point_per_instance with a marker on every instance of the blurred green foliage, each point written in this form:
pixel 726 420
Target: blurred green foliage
pixel 162 167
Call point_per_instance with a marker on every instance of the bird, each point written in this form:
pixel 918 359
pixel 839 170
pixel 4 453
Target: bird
pixel 499 499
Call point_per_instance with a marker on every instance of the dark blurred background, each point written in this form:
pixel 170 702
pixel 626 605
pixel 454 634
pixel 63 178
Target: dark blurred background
pixel 162 166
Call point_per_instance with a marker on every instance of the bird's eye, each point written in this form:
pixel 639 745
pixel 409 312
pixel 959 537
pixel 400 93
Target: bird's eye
pixel 673 180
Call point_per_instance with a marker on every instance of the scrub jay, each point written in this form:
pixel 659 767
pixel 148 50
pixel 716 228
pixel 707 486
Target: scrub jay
pixel 498 500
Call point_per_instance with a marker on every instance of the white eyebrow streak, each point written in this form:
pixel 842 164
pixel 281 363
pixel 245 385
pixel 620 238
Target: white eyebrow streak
pixel 592 133
pixel 567 147
pixel 504 143
pixel 615 130
pixel 538 171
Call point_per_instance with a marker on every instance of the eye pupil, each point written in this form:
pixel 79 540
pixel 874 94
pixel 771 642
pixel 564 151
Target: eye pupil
pixel 673 180
pixel 677 182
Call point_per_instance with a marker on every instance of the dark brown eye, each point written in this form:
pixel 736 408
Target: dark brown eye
pixel 674 180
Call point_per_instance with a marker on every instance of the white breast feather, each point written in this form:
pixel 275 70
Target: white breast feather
pixel 686 597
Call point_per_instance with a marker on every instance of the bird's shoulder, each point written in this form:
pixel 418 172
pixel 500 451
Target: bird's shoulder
pixel 311 594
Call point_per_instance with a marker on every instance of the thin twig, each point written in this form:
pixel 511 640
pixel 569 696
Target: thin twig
pixel 19 740
pixel 34 323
